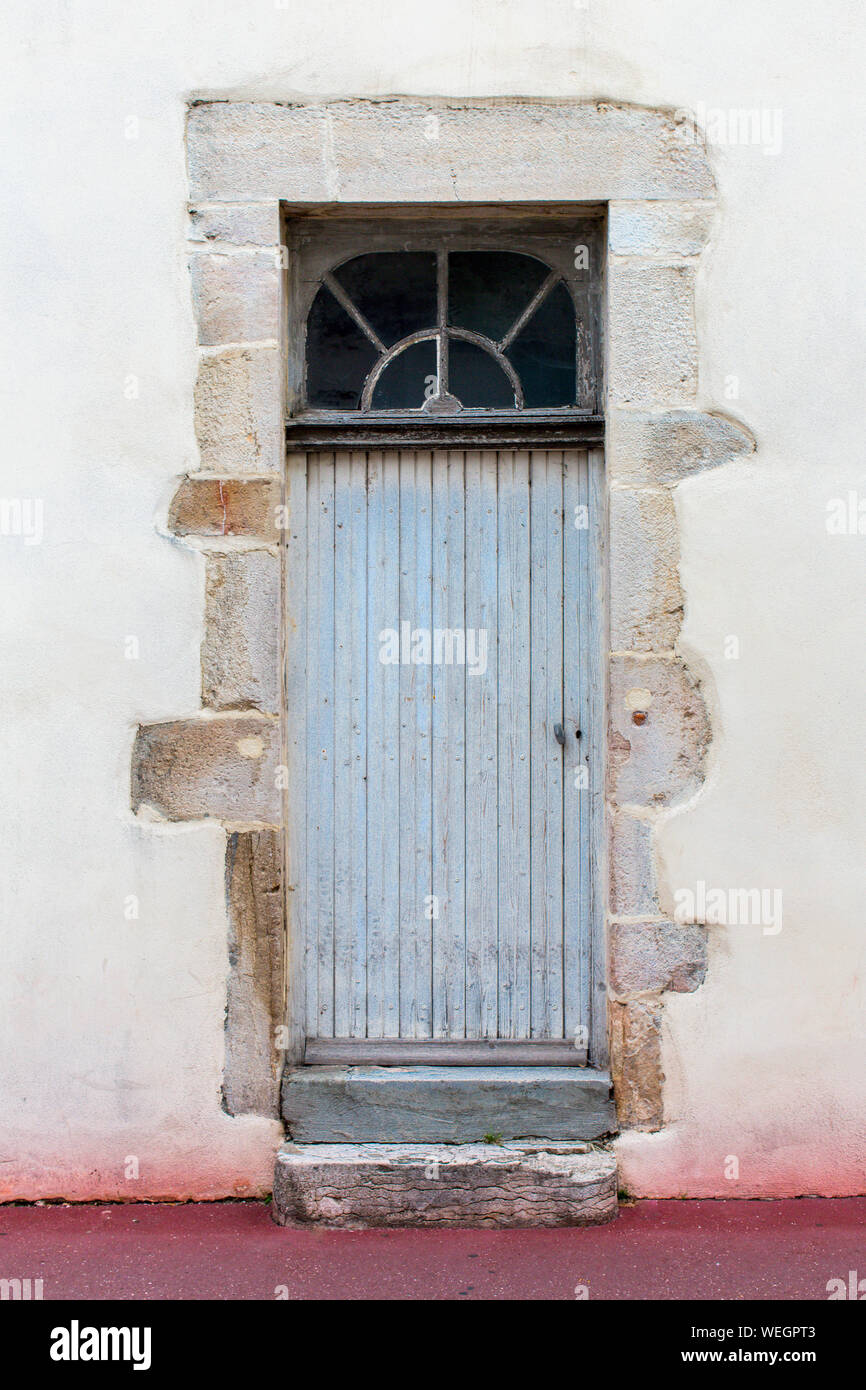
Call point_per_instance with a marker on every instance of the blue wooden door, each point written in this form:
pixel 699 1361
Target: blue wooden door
pixel 444 702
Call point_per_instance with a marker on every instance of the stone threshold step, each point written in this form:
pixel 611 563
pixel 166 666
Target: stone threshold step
pixel 445 1105
pixel 520 1184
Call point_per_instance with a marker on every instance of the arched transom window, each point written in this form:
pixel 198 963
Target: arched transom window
pixel 443 330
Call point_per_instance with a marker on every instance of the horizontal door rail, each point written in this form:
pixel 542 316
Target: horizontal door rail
pixel 506 431
pixel 441 1052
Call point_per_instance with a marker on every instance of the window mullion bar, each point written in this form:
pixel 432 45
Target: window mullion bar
pixel 342 298
pixel 442 321
pixel 520 322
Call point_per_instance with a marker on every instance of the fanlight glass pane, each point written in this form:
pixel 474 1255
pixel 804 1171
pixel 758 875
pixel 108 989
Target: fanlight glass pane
pixel 407 377
pixel 393 295
pixel 339 356
pixel 394 290
pixel 476 378
pixel 488 290
pixel 544 354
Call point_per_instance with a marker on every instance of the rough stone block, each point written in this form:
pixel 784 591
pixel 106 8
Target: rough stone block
pixel 241 648
pixel 477 1185
pixel 646 601
pixel 256 990
pixel 238 410
pixel 205 506
pixel 239 224
pixel 429 1105
pixel 652 322
pixel 220 768
pixel 405 149
pixel 654 956
pixel 636 1067
pixel 659 731
pixel 632 872
pixel 661 228
pixel 666 446
pixel 256 982
pixel 236 296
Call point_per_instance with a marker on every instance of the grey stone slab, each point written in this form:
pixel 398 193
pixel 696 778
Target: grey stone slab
pixel 651 319
pixel 445 1104
pixel 471 1185
pixel 632 870
pixel 659 228
pixel 236 297
pixel 241 224
pixel 404 149
pixel 654 956
pixel 238 415
pixel 646 602
pixel 240 651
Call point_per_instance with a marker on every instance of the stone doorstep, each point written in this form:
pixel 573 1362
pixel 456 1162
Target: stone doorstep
pixel 445 1105
pixel 538 1183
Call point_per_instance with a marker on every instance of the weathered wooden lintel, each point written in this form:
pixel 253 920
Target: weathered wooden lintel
pixel 492 431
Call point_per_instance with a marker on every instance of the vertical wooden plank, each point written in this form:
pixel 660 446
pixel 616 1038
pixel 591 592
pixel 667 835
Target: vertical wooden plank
pixel 391 848
pixel 383 766
pixel 546 602
pixel 580 716
pixel 320 746
pixel 482 901
pixel 350 808
pixel 344 599
pixel 449 675
pixel 377 673
pixel 313 753
pixel 424 761
pixel 576 789
pixel 415 761
pixel 406 827
pixel 596 700
pixel 295 686
pixel 513 744
pixel 356 792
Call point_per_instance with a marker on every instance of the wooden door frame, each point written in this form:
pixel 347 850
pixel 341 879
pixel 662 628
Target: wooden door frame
pixel 320 238
pixel 501 1053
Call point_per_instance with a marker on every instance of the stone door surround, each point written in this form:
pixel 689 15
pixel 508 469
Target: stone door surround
pixel 249 165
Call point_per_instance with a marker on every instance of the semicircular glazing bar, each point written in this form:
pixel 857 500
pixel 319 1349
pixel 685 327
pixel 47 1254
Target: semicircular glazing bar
pixel 496 353
pixel 424 335
pixel 388 355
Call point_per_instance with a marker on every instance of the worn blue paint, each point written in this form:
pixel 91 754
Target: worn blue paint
pixel 447 845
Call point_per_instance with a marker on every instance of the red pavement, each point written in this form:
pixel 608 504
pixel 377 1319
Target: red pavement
pixel 232 1250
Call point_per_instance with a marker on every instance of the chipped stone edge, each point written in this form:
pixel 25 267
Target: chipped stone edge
pixel 358 1186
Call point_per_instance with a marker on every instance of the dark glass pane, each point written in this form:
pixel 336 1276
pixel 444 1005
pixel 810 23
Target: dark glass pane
pixel 488 290
pixel 339 356
pixel 544 354
pixel 394 290
pixel 476 378
pixel 404 381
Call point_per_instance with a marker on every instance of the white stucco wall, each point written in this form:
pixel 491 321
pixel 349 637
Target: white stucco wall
pixel 111 1030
